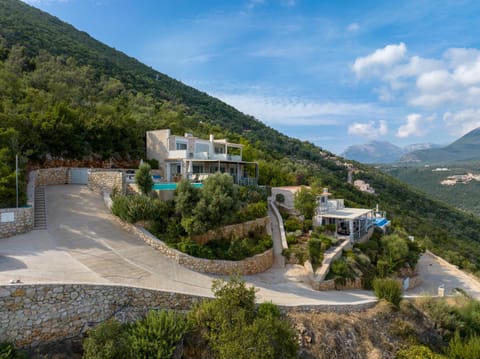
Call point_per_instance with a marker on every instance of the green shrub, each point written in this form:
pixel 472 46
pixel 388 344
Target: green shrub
pixel 326 243
pixel 157 335
pixel 143 178
pixel 468 348
pixel 301 255
pixel 388 289
pixel 135 208
pixel 307 225
pixel 293 224
pixel 234 329
pixel 108 340
pixel 418 352
pixel 315 252
pixel 268 310
pixel 291 239
pixel 194 249
pixel 403 329
pixel 287 253
pixel 280 198
pixel 382 268
pixel 8 351
pixel 252 211
pixel 154 165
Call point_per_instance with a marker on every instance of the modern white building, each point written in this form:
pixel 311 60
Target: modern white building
pixel 357 223
pixel 195 158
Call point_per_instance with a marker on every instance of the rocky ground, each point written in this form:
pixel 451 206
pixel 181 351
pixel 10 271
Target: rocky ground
pixel 374 333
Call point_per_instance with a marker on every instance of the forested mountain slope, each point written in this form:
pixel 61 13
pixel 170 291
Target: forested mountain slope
pixel 65 95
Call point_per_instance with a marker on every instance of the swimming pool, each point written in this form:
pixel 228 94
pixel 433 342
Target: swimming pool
pixel 171 186
pixel 380 222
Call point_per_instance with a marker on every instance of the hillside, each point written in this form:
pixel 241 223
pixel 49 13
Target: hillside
pixel 382 151
pixel 466 148
pixel 462 195
pixel 65 95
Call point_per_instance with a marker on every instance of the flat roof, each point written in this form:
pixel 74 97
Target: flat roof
pixel 346 213
pixel 291 188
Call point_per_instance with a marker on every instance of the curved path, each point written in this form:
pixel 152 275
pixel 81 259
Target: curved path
pixel 83 244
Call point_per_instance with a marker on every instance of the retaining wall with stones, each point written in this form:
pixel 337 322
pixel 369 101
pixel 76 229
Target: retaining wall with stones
pixel 35 314
pixel 31 315
pixel 252 265
pixel 105 181
pixel 15 221
pixel 239 230
pixel 50 176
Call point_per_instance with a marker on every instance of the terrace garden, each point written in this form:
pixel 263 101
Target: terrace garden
pixel 196 212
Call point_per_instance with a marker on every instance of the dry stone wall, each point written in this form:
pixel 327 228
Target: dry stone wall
pixel 15 221
pixel 49 176
pixel 105 181
pixel 252 265
pixel 35 314
pixel 239 230
pixel 31 315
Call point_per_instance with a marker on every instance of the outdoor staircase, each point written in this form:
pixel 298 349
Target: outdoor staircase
pixel 40 217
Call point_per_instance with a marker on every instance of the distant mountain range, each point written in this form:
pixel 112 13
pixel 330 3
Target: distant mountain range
pixel 466 148
pixel 382 151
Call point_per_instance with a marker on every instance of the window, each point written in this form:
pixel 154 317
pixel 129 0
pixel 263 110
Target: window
pixel 197 168
pixel 219 149
pixel 181 145
pixel 201 147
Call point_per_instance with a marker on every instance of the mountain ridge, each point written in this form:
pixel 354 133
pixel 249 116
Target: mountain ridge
pixel 375 152
pixel 466 148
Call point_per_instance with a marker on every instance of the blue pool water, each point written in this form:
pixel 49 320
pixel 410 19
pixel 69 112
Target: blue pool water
pixel 171 186
pixel 380 221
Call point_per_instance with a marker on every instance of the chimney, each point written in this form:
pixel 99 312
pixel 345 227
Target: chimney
pixel 211 138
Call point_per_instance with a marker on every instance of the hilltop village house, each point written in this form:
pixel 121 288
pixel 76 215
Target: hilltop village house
pixel 194 158
pixel 354 223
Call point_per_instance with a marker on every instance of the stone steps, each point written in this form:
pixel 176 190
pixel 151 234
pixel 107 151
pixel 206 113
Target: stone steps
pixel 40 216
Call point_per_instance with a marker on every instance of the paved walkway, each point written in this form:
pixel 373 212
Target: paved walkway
pixel 83 244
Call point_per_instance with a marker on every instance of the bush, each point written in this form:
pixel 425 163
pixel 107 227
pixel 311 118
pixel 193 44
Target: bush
pixel 108 340
pixel 293 224
pixel 8 351
pixel 234 329
pixel 315 252
pixel 307 225
pixel 157 335
pixel 291 239
pixel 280 198
pixel 154 165
pixel 388 289
pixel 252 211
pixel 135 208
pixel 418 352
pixel 143 178
pixel 268 310
pixel 459 348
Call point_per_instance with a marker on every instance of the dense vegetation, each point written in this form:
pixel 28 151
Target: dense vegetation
pixel 230 326
pixel 65 95
pixel 464 196
pixel 194 211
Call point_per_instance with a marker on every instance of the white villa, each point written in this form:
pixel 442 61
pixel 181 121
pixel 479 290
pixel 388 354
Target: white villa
pixel 195 158
pixel 357 223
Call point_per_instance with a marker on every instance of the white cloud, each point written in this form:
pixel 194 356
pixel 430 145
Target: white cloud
pixel 369 130
pixel 353 27
pixel 463 121
pixel 294 111
pixel 379 59
pixel 415 125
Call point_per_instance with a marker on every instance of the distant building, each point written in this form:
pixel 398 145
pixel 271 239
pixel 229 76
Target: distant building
pixel 288 193
pixel 195 158
pixel 363 186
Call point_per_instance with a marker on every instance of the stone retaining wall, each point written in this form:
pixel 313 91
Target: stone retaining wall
pixel 15 221
pixel 34 314
pixel 49 176
pixel 31 315
pixel 105 181
pixel 356 283
pixel 252 265
pixel 239 230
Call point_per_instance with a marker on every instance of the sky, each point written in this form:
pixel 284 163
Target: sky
pixel 335 73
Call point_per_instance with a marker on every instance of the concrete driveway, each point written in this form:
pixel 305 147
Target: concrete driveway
pixel 83 244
